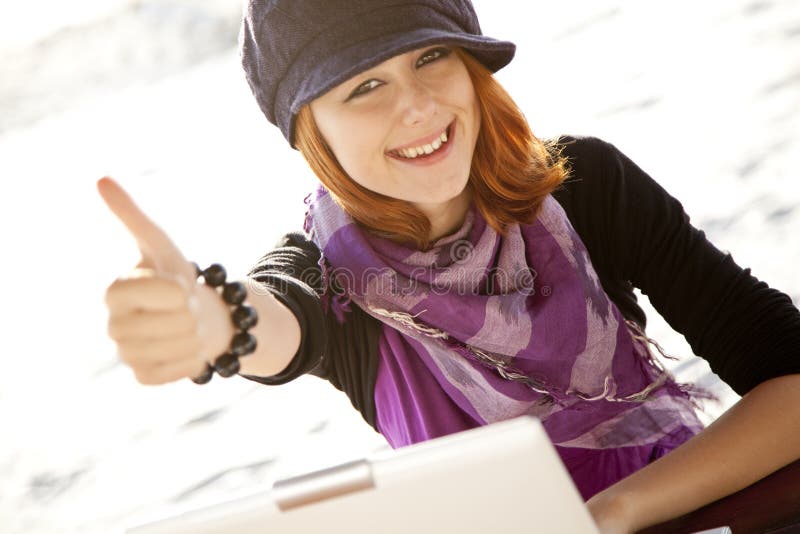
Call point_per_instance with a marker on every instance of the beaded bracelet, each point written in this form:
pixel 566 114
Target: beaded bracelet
pixel 243 318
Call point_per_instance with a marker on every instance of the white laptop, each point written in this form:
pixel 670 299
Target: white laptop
pixel 505 477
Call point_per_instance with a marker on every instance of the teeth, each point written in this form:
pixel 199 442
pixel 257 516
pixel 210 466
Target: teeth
pixel 430 148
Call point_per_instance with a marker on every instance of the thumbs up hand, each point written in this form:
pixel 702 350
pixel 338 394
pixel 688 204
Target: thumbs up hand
pixel 165 325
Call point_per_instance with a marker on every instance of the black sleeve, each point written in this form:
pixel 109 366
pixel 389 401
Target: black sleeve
pixel 344 353
pixel 290 272
pixel 636 232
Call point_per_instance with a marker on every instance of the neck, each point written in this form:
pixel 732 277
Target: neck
pixel 446 217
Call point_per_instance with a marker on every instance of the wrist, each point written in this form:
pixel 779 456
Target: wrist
pixel 214 326
pixel 242 316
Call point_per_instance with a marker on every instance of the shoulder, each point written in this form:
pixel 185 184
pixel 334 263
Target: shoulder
pixel 613 204
pixel 595 182
pixel 583 147
pixel 602 178
pixel 588 158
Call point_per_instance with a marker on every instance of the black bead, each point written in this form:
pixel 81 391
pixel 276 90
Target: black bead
pixel 204 377
pixel 243 344
pixel 227 365
pixel 234 293
pixel 244 317
pixel 215 275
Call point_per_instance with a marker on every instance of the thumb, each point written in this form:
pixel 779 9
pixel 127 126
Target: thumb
pixel 158 250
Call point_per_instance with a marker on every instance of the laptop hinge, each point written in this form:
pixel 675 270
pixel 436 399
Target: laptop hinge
pixel 321 485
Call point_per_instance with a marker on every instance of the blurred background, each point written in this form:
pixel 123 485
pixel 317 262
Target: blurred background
pixel 705 96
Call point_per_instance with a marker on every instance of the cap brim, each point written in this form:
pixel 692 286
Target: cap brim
pixel 492 53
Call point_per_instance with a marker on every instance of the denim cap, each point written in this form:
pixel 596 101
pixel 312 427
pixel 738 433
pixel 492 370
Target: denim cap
pixel 294 51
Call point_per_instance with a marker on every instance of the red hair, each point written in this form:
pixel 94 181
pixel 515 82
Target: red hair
pixel 512 171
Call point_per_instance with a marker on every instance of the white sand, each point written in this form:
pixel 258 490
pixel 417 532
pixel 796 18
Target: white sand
pixel 704 96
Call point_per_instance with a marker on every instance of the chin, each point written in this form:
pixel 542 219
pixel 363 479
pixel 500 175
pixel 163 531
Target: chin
pixel 441 196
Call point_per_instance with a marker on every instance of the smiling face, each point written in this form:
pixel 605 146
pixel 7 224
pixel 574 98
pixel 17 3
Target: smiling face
pixel 406 128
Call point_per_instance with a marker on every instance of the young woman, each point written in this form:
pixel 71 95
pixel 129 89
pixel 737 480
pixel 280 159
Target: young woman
pixel 455 270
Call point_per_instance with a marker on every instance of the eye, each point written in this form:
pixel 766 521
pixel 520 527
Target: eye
pixel 432 55
pixel 364 88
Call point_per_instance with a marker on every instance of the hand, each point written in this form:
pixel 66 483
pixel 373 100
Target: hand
pixel 166 326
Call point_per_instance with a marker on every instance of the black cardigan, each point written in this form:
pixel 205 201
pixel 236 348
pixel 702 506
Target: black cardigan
pixel 636 234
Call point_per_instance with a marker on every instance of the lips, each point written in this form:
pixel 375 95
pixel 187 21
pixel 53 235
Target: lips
pixel 424 147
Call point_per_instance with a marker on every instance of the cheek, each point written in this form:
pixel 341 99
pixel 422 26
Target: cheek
pixel 476 111
pixel 353 150
pixel 464 97
pixel 347 140
pixel 360 159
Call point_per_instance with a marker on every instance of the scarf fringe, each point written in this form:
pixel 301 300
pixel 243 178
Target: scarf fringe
pixel 408 321
pixel 551 394
pixel 338 303
pixel 691 392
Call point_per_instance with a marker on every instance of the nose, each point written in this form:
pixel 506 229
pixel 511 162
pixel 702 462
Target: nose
pixel 418 103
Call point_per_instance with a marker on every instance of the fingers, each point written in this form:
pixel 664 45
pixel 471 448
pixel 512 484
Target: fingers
pixel 152 325
pixel 166 351
pixel 169 372
pixel 152 312
pixel 155 329
pixel 157 248
pixel 142 291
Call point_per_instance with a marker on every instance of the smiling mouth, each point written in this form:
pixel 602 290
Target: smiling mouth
pixel 425 149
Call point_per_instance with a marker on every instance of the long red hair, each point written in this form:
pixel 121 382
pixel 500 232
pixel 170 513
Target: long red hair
pixel 512 171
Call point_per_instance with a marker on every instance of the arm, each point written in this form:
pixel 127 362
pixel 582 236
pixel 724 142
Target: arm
pixel 749 333
pixel 290 275
pixel 166 325
pixel 758 435
pixel 638 235
pixel 344 353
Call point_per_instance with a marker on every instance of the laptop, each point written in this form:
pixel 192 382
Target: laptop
pixel 505 477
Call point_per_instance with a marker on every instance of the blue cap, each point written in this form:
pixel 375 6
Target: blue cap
pixel 294 51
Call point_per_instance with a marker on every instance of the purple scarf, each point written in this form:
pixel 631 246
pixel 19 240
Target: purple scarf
pixel 484 327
